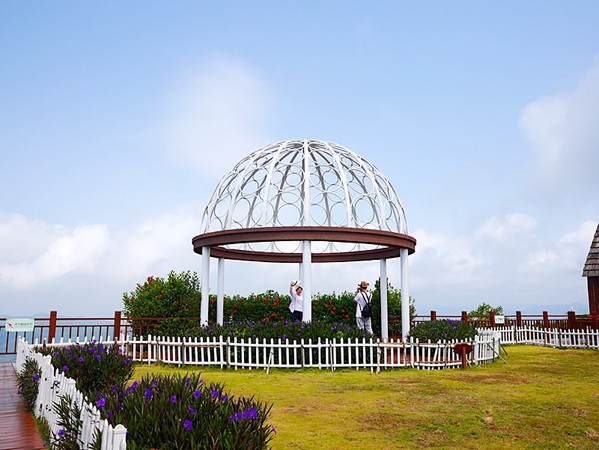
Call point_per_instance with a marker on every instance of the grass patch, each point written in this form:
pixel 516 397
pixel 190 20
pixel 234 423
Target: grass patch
pixel 542 398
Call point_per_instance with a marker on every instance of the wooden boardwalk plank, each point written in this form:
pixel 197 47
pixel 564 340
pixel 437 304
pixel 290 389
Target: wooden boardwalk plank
pixel 17 426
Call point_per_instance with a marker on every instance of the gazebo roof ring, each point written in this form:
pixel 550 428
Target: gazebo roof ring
pixel 388 244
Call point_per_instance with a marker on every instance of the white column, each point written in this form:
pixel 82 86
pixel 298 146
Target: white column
pixel 384 309
pixel 220 298
pixel 205 282
pixel 307 281
pixel 405 294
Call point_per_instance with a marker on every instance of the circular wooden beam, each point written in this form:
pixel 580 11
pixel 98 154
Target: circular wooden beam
pixel 390 243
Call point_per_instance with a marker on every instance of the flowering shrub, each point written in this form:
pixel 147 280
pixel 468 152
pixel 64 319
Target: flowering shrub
pixel 93 366
pixel 284 330
pixel 166 412
pixel 177 297
pixel 256 307
pixel 176 412
pixel 333 308
pixel 440 330
pixel 28 382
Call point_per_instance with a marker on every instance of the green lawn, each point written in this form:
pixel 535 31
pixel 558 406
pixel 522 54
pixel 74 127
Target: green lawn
pixel 542 398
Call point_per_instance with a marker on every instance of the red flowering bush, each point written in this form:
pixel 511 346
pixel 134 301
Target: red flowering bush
pixel 177 297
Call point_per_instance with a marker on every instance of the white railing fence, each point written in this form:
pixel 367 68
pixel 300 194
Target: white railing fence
pixel 52 386
pixel 322 354
pixel 585 338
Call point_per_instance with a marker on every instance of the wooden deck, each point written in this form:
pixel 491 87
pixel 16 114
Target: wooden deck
pixel 17 426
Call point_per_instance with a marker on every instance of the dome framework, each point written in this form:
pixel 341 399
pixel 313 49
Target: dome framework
pixel 303 201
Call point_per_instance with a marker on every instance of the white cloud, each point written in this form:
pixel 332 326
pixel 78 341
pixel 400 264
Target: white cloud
pixel 513 224
pixel 63 251
pixel 563 132
pixel 219 113
pixel 509 262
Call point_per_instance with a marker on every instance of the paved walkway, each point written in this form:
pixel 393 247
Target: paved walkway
pixel 17 426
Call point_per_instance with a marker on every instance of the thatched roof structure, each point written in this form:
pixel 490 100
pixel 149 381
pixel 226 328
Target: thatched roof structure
pixel 591 266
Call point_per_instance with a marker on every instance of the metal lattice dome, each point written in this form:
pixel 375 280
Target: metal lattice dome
pixel 308 185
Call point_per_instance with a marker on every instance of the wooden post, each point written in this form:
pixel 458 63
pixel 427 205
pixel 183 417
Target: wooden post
pixel 464 358
pixel 572 320
pixel 518 318
pixel 464 316
pixel 546 320
pixel 492 318
pixel 52 327
pixel 433 315
pixel 117 325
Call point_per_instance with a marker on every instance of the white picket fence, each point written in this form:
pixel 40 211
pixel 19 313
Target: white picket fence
pixel 586 338
pixel 322 354
pixel 52 386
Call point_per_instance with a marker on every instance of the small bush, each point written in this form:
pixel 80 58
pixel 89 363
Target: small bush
pixel 28 381
pixel 93 366
pixel 176 412
pixel 443 330
pixel 177 297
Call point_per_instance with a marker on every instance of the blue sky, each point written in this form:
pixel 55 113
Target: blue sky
pixel 118 119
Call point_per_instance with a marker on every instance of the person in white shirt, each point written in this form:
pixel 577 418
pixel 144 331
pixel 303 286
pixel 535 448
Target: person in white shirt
pixel 362 297
pixel 297 302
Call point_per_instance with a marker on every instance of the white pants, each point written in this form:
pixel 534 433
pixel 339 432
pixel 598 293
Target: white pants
pixel 364 324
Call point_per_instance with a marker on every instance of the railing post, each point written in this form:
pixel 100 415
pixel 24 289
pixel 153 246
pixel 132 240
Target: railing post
pixel 545 319
pixel 433 315
pixel 572 320
pixel 492 318
pixel 117 325
pixel 52 327
pixel 518 318
pixel 464 316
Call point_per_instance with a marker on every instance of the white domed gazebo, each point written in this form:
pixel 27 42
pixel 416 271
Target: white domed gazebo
pixel 304 202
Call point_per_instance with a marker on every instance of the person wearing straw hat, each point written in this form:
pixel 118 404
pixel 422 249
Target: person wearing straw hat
pixel 297 302
pixel 363 307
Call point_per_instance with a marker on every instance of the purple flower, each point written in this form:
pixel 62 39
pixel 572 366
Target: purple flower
pixel 81 359
pixel 98 357
pixel 223 397
pixel 214 393
pixel 65 368
pixel 250 414
pixel 100 403
pixel 132 387
pixel 191 410
pixel 61 432
pixel 273 429
pixel 188 424
pixel 187 381
pixel 148 393
pixel 173 398
pixel 196 394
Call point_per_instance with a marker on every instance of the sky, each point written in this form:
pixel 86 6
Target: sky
pixel 118 119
